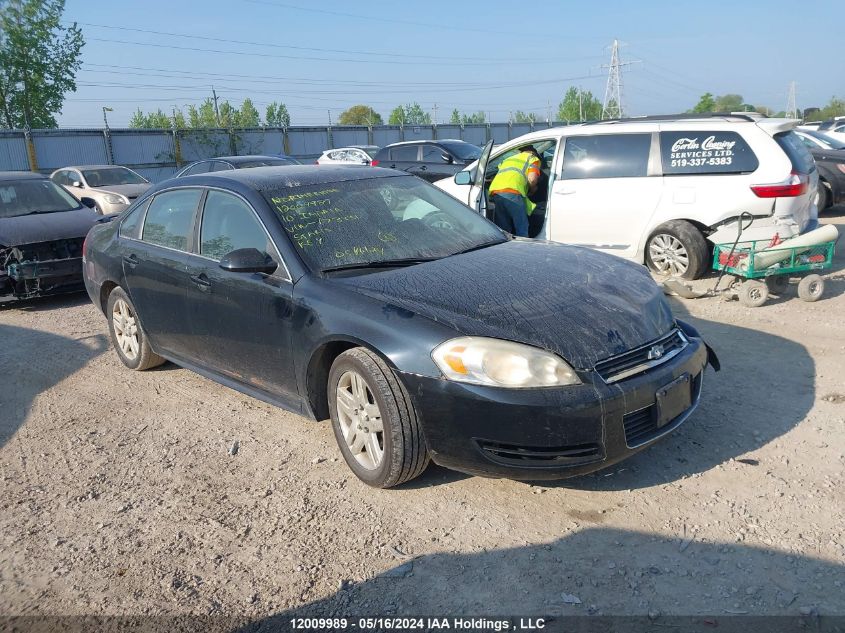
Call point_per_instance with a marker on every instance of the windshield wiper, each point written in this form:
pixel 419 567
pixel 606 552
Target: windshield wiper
pixel 477 247
pixel 390 263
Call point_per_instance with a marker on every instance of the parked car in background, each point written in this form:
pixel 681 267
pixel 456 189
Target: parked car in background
pixel 430 160
pixel 108 189
pixel 829 154
pixel 42 229
pixel 354 154
pixel 834 127
pixel 661 190
pixel 498 374
pixel 226 163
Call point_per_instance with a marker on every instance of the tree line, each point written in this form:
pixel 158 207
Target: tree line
pixel 211 115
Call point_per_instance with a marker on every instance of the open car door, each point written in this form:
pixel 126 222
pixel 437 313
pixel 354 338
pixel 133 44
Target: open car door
pixel 478 192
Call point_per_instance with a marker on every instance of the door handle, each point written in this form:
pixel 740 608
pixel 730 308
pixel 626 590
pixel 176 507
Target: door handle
pixel 201 281
pixel 423 168
pixel 130 260
pixel 563 192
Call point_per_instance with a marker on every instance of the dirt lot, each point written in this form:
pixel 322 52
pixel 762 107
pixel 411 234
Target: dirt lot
pixel 119 495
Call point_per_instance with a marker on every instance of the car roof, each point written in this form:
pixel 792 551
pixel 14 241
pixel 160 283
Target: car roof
pixel 266 178
pixel 81 167
pixel 420 141
pixel 243 159
pixel 20 175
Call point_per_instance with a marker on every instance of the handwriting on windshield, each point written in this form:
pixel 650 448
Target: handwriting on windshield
pixel 358 251
pixel 309 216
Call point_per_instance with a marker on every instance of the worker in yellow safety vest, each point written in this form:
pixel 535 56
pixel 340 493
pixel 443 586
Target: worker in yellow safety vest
pixel 516 179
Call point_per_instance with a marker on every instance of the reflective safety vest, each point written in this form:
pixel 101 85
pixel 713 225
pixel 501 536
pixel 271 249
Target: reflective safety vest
pixel 512 177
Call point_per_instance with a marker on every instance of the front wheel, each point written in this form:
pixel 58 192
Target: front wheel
pixel 374 421
pixel 678 249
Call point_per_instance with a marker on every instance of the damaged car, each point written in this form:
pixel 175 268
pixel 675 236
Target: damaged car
pixel 421 329
pixel 42 231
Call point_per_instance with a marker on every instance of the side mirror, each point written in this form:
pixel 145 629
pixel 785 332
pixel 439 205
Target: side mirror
pixel 77 184
pixel 248 260
pixel 463 178
pixel 449 160
pixel 89 203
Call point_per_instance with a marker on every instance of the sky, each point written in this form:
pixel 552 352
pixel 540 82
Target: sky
pixel 319 58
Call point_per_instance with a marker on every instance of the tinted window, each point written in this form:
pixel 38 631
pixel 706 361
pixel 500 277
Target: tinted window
pixel 60 178
pixel 800 157
pixel 74 176
pixel 169 218
pixel 606 156
pixel 26 197
pixel 433 154
pixel 228 223
pixel 112 176
pixel 200 168
pixel 706 153
pixel 266 162
pixel 219 165
pixel 131 223
pixel 404 153
pixel 464 151
pixel 376 220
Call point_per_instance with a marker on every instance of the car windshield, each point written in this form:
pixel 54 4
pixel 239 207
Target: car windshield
pixel 371 151
pixel 267 162
pixel 25 197
pixel 110 176
pixel 464 151
pixel 373 222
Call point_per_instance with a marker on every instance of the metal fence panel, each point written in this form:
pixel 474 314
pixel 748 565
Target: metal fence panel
pixel 199 144
pixel 270 141
pixel 448 131
pixel 308 142
pixel 518 129
pixel 345 136
pixel 476 134
pixel 60 148
pixel 386 135
pixel 500 132
pixel 13 152
pixel 142 148
pixel 418 133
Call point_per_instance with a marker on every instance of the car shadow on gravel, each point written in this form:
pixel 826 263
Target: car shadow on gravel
pixel 765 388
pixel 582 579
pixel 31 362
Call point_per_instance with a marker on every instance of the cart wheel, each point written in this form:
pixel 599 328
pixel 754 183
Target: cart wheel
pixel 811 288
pixel 753 293
pixel 777 284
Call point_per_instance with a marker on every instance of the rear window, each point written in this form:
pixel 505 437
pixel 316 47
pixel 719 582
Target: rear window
pixel 715 152
pixel 606 156
pixel 404 153
pixel 800 157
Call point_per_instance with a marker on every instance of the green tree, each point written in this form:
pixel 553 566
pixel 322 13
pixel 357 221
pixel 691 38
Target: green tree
pixel 467 119
pixel 729 103
pixel 705 104
pixel 836 107
pixel 156 120
pixel 203 116
pixel 360 115
pixel 248 116
pixel 39 58
pixel 277 115
pixel 575 104
pixel 521 117
pixel 455 119
pixel 410 114
pixel 228 115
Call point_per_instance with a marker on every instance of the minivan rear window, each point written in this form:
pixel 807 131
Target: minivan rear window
pixel 700 153
pixel 800 157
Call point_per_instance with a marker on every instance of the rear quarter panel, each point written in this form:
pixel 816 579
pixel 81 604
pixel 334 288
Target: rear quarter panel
pixel 102 263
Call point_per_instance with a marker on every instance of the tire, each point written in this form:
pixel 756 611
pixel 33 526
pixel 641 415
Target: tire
pixel 122 316
pixel 778 284
pixel 824 198
pixel 679 249
pixel 398 452
pixel 753 293
pixel 811 288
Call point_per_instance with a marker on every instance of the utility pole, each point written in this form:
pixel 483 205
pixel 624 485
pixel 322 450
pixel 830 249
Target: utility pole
pixel 612 105
pixel 434 120
pixel 107 135
pixel 580 106
pixel 216 109
pixel 791 107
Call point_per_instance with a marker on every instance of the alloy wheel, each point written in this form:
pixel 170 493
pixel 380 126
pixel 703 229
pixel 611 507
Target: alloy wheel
pixel 125 329
pixel 668 254
pixel 360 420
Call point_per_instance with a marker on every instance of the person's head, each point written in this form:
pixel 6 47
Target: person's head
pixel 530 149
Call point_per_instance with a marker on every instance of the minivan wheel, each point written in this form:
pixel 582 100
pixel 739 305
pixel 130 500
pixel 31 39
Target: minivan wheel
pixel 678 249
pixel 374 422
pixel 127 335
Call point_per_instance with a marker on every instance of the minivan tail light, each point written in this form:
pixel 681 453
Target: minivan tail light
pixel 796 185
pixel 375 162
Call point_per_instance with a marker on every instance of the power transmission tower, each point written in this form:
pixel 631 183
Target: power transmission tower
pixel 791 108
pixel 612 105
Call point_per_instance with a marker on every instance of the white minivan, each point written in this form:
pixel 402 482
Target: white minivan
pixel 656 189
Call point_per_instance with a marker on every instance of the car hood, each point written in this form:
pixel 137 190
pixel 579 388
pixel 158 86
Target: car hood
pixel 583 305
pixel 130 191
pixel 46 227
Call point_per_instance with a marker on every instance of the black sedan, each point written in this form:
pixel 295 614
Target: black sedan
pixel 227 163
pixel 430 160
pixel 829 154
pixel 421 329
pixel 42 229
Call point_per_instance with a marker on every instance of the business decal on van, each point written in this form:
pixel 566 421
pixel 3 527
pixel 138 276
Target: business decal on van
pixel 689 152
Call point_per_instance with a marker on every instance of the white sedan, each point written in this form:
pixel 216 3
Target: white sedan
pixel 356 155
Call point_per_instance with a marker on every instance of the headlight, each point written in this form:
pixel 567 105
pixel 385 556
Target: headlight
pixel 490 361
pixel 114 198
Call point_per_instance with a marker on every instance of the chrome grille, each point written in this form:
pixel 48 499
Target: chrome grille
pixel 641 359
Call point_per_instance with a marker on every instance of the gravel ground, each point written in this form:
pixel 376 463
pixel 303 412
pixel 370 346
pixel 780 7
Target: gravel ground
pixel 120 496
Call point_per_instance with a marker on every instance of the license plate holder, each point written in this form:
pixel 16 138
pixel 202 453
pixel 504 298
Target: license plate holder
pixel 673 399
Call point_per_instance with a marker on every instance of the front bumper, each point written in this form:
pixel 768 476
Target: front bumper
pixel 535 434
pixel 109 208
pixel 39 278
